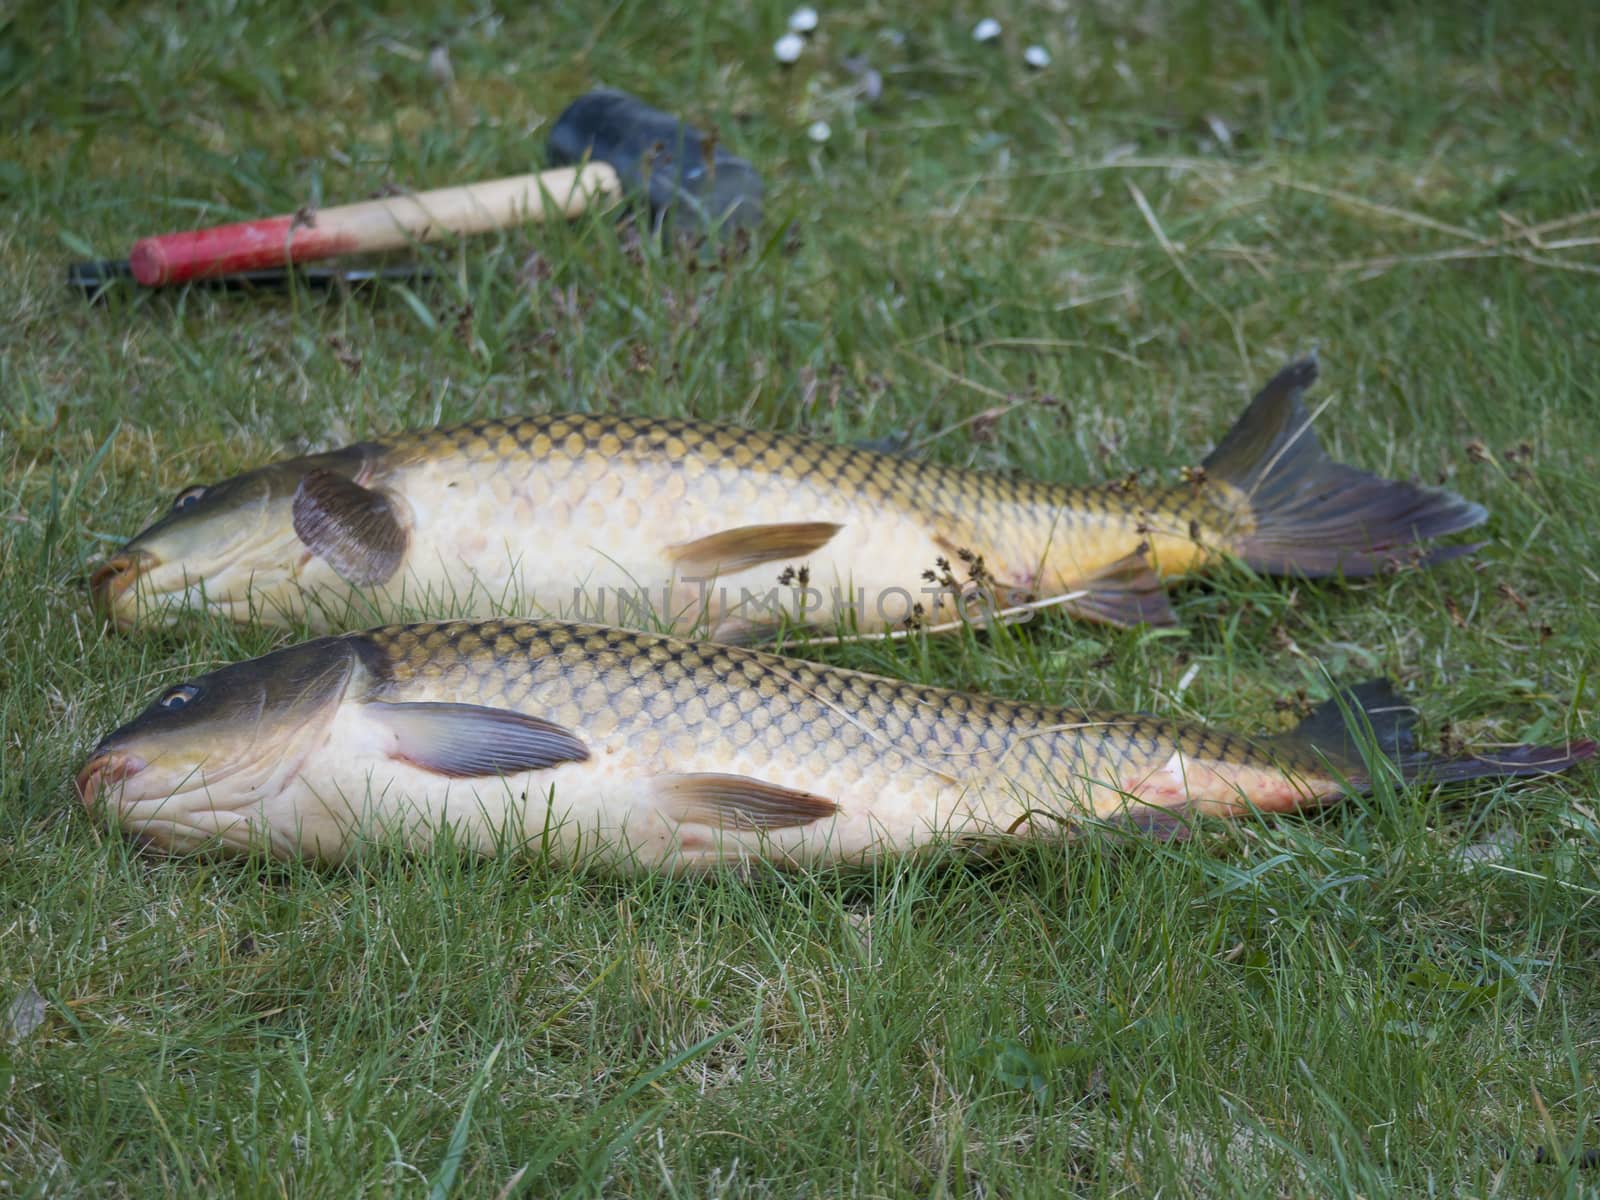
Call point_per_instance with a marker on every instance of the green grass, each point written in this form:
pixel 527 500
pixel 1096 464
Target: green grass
pixel 1342 1003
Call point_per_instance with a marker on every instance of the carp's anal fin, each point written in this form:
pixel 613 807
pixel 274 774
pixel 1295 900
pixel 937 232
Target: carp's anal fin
pixel 354 529
pixel 470 741
pixel 752 545
pixel 738 802
pixel 1126 592
pixel 1157 822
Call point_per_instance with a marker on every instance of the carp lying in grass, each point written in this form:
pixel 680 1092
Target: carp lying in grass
pixel 691 527
pixel 640 751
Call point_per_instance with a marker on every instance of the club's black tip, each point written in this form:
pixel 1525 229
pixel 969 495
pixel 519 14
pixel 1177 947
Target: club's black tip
pixel 91 277
pixel 692 184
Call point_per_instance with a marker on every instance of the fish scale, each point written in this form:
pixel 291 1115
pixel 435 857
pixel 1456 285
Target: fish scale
pixel 1033 538
pixel 762 470
pixel 581 677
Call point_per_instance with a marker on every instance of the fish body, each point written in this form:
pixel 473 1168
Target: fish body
pixel 727 532
pixel 640 751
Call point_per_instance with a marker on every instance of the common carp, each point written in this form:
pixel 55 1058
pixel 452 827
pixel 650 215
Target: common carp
pixel 690 527
pixel 639 751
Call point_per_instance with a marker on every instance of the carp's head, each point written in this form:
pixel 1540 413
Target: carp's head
pixel 243 547
pixel 215 758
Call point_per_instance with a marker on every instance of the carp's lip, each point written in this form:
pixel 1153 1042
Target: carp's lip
pixel 105 770
pixel 112 578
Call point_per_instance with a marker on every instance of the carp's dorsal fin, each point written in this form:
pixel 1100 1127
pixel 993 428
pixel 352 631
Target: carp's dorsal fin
pixel 752 545
pixel 738 802
pixel 355 529
pixel 1126 592
pixel 469 741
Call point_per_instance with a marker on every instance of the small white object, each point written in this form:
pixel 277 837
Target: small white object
pixel 803 20
pixel 1036 57
pixel 439 65
pixel 818 131
pixel 26 1013
pixel 1187 678
pixel 787 48
pixel 869 83
pixel 986 30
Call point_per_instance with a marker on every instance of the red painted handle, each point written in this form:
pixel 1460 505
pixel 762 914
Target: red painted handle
pixel 225 249
pixel 390 223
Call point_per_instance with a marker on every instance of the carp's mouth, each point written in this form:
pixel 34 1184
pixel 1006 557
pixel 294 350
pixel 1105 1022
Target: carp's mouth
pixel 106 778
pixel 103 771
pixel 112 579
pixel 136 586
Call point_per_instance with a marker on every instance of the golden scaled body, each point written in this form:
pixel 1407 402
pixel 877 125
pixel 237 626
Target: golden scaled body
pixel 725 532
pixel 665 515
pixel 881 765
pixel 646 752
pixel 901 763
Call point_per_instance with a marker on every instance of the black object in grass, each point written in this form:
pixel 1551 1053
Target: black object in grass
pixel 95 277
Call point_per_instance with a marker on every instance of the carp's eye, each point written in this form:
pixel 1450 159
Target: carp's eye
pixel 179 696
pixel 188 498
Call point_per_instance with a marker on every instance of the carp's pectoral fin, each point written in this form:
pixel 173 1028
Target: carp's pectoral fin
pixel 738 802
pixel 466 741
pixel 1127 592
pixel 752 545
pixel 355 529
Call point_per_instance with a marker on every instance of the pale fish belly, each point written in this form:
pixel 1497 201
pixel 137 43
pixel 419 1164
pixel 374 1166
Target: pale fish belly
pixel 869 576
pixel 1224 789
pixel 518 538
pixel 606 547
pixel 610 811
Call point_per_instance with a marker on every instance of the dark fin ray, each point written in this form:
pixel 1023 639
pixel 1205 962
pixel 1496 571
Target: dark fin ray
pixel 1156 822
pixel 1510 762
pixel 468 741
pixel 1246 451
pixel 1314 516
pixel 896 444
pixel 1381 714
pixel 1377 713
pixel 752 545
pixel 738 802
pixel 351 527
pixel 1126 592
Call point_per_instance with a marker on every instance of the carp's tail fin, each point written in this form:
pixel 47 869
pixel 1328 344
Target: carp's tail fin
pixel 1376 712
pixel 1309 515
